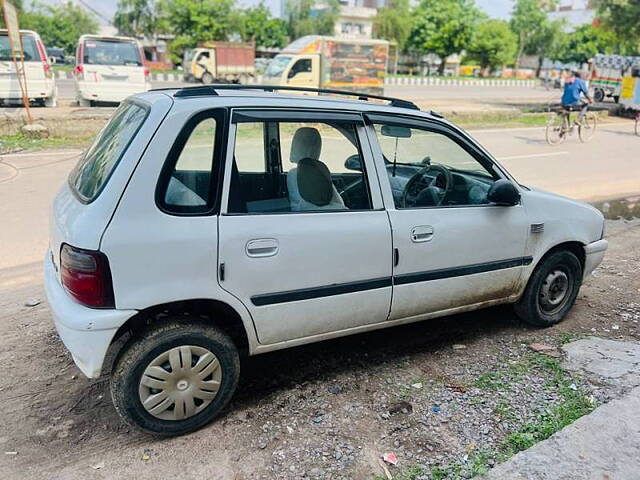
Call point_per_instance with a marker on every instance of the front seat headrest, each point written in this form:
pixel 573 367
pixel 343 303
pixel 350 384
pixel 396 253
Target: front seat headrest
pixel 314 182
pixel 306 144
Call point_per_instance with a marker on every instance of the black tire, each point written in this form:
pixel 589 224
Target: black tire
pixel 533 306
pixel 143 348
pixel 598 95
pixel 207 78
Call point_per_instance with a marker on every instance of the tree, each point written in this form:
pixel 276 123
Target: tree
pixel 59 26
pixel 443 27
pixel 394 22
pixel 621 17
pixel 493 45
pixel 305 19
pixel 257 25
pixel 587 41
pixel 549 40
pixel 192 22
pixel 526 19
pixel 137 18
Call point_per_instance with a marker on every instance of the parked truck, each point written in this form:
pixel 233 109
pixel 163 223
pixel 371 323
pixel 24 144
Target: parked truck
pixel 220 62
pixel 335 63
pixel 606 74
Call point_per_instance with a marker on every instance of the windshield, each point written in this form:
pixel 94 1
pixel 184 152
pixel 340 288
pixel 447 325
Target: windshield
pixel 188 56
pixel 277 66
pixel 108 52
pixel 28 44
pixel 94 169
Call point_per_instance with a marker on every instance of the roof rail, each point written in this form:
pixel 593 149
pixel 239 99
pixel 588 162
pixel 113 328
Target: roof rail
pixel 203 90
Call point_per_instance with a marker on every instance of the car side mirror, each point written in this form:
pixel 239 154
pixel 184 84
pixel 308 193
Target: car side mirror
pixel 353 163
pixel 503 192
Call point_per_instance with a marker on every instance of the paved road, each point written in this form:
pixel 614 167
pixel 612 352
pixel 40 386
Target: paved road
pixel 66 91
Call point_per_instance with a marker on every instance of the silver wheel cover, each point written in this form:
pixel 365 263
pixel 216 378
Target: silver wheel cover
pixel 180 382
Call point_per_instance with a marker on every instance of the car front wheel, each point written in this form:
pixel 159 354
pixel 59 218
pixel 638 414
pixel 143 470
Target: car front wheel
pixel 552 290
pixel 175 378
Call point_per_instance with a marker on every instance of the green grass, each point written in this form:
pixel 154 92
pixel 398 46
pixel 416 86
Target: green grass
pixel 499 119
pixel 62 67
pixel 10 143
pixel 573 404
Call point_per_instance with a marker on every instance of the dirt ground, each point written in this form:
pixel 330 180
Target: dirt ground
pixel 322 411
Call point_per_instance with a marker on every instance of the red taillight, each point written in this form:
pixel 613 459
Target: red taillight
pixel 43 58
pixel 79 69
pixel 86 276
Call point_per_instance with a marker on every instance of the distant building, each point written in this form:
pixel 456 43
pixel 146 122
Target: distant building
pixel 356 18
pixel 573 12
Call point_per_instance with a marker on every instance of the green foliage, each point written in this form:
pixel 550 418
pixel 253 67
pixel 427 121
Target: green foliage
pixel 493 45
pixel 394 22
pixel 623 18
pixel 305 19
pixel 137 18
pixel 193 22
pixel 259 26
pixel 527 18
pixel 549 40
pixel 586 41
pixel 59 26
pixel 443 27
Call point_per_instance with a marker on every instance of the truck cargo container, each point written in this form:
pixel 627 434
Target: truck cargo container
pixel 220 62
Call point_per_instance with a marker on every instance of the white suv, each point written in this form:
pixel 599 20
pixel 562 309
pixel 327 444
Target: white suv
pixel 209 222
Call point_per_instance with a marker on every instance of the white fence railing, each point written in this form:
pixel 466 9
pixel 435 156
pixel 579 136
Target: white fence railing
pixel 417 81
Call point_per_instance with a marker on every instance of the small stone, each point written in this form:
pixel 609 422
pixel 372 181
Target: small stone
pixel 417 386
pixel 334 389
pixel 317 419
pixel 98 466
pixel 10 453
pixel 544 349
pixel 32 302
pixel 262 444
pixel 458 346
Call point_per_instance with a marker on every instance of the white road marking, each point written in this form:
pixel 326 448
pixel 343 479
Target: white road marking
pixel 533 155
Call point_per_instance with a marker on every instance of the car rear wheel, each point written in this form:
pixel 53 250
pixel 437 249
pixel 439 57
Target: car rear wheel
pixel 175 378
pixel 552 290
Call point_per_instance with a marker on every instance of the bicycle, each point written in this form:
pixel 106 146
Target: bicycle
pixel 559 126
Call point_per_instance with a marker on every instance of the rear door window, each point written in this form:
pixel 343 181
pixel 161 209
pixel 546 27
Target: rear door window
pixel 107 52
pixel 91 174
pixel 28 45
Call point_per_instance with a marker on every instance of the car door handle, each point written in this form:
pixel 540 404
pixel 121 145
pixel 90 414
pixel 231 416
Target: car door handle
pixel 262 247
pixel 422 233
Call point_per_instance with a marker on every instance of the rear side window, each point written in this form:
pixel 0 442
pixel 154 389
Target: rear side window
pixel 91 174
pixel 28 45
pixel 188 182
pixel 103 52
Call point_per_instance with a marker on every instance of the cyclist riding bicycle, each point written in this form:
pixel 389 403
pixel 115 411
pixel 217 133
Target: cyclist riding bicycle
pixel 574 87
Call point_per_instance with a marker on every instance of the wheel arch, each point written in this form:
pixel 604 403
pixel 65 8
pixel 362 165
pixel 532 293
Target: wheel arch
pixel 203 310
pixel 574 246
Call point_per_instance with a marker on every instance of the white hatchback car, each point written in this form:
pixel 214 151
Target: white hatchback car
pixel 41 84
pixel 109 69
pixel 207 222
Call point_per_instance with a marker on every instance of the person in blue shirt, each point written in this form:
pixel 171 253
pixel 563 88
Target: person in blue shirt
pixel 574 88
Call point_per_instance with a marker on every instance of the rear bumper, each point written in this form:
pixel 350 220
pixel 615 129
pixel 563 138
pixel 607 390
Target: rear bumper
pixel 594 253
pixel 109 92
pixel 86 332
pixel 35 89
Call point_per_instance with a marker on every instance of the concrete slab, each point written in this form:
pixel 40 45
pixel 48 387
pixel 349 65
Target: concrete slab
pixel 617 362
pixel 604 445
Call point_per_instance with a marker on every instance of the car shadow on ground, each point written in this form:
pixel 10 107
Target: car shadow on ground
pixel 268 373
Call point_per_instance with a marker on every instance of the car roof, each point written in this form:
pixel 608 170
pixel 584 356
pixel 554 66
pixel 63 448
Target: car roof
pixel 249 97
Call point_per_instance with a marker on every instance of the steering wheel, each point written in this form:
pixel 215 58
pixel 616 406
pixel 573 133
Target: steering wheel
pixel 416 184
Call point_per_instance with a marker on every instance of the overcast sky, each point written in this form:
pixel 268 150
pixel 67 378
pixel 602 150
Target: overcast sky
pixel 495 8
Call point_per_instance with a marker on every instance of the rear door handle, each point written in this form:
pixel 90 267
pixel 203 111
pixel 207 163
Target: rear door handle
pixel 422 233
pixel 262 247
